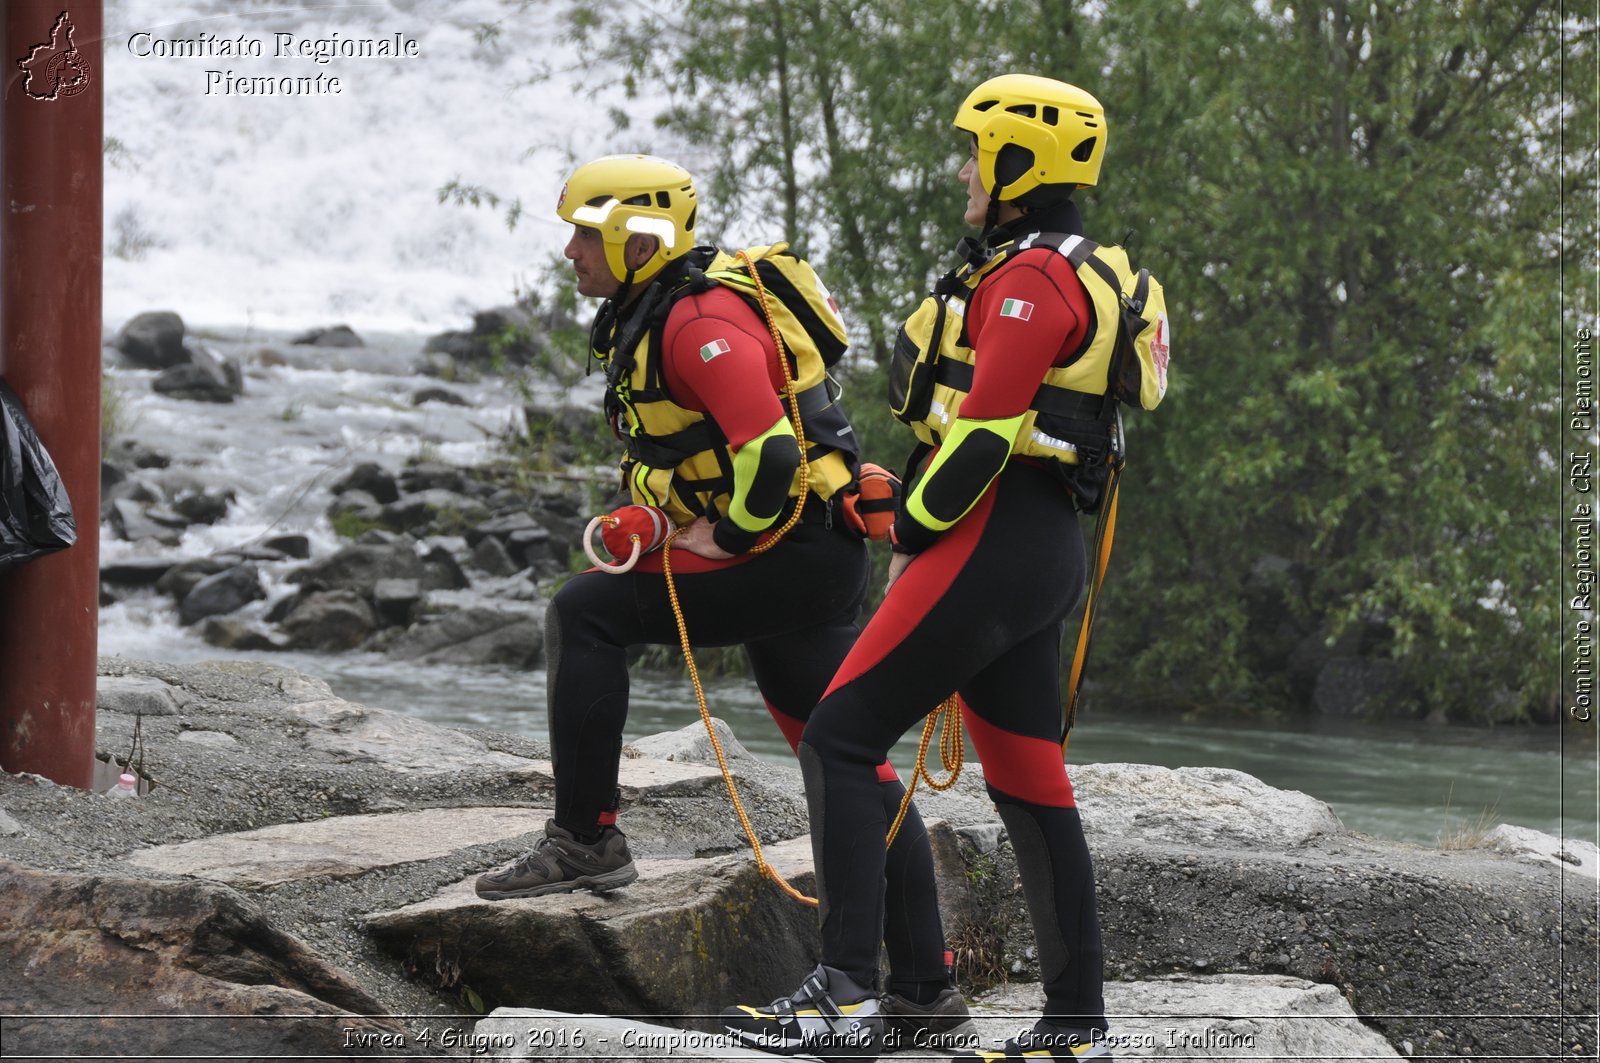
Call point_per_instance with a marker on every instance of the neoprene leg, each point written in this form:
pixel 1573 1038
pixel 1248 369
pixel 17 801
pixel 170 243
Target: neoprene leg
pixel 1058 885
pixel 791 672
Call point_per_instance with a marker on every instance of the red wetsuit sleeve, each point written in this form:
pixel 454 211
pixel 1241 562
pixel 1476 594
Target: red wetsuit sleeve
pixel 1029 317
pixel 719 360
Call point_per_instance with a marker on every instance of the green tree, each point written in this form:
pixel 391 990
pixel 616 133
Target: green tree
pixel 1352 208
pixel 1354 214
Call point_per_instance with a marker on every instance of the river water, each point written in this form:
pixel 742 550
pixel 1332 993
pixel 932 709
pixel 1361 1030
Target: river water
pixel 291 212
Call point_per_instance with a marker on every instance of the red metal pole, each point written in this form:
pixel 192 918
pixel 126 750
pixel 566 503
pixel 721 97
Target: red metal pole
pixel 50 238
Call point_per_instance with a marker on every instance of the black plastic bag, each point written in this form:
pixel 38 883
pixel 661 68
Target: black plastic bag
pixel 35 512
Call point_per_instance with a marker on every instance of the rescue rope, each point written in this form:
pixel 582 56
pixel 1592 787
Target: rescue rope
pixel 765 869
pixel 952 750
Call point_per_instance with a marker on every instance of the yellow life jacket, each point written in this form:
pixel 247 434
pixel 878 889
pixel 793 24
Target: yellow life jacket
pixel 678 458
pixel 1073 418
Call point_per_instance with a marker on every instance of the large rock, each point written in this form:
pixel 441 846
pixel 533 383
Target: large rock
pixel 152 340
pixel 474 637
pixel 1228 1017
pixel 1213 806
pixel 358 568
pixel 330 621
pixel 205 377
pixel 335 336
pixel 228 590
pixel 82 951
pixel 691 936
pixel 139 695
pixel 370 477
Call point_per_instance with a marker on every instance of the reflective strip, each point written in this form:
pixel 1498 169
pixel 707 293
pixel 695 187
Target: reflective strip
pixel 1051 441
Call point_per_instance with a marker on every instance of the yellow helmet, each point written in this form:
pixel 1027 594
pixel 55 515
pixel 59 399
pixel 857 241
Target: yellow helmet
pixel 1034 133
pixel 625 194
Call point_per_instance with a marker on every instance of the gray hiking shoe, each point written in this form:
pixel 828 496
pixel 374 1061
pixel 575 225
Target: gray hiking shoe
pixel 946 1023
pixel 560 863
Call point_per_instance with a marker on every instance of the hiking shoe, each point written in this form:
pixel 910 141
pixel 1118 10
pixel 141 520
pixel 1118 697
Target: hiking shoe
pixel 945 1023
pixel 1045 1042
pixel 829 1017
pixel 560 863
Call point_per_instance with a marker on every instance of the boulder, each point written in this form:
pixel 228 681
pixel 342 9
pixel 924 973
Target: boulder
pixel 83 950
pixel 491 556
pixel 336 336
pixel 1226 1017
pixel 442 572
pixel 397 602
pixel 439 395
pixel 152 340
pixel 139 695
pixel 330 621
pixel 292 545
pixel 136 572
pixel 372 478
pixel 204 378
pixel 183 577
pixel 687 939
pixel 433 509
pixel 129 520
pixel 132 454
pixel 203 507
pixel 474 637
pixel 230 634
pixel 359 567
pixel 228 590
pixel 501 335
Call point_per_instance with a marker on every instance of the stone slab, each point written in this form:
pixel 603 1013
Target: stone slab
pixel 1251 1017
pixel 340 847
pixel 1256 1017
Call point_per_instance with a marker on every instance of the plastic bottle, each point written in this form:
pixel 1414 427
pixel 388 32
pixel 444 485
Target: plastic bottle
pixel 127 786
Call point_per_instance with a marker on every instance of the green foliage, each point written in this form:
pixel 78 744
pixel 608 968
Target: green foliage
pixel 350 524
pixel 1351 207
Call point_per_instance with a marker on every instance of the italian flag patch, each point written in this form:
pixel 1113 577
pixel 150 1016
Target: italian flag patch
pixel 1020 309
pixel 714 348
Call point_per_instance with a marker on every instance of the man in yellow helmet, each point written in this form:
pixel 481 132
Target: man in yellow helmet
pixel 696 392
pixel 988 563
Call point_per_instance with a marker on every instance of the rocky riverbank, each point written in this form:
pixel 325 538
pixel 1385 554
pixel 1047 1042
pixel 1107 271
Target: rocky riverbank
pixel 296 880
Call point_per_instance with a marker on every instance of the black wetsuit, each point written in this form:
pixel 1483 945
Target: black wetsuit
pixel 979 610
pixel 793 608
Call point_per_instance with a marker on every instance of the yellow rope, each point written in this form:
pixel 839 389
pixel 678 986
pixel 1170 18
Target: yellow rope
pixel 952 751
pixel 766 869
pixel 951 746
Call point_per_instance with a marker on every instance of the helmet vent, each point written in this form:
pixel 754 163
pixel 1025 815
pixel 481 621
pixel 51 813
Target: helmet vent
pixel 642 200
pixel 1051 116
pixel 985 105
pixel 688 226
pixel 1026 110
pixel 663 200
pixel 1084 150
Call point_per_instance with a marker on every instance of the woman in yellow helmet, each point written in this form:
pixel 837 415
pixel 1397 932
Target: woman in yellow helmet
pixel 695 392
pixel 988 563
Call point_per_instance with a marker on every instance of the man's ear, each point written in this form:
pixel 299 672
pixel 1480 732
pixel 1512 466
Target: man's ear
pixel 639 250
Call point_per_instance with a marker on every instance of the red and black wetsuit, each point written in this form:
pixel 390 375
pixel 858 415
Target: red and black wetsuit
pixel 979 610
pixel 793 608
